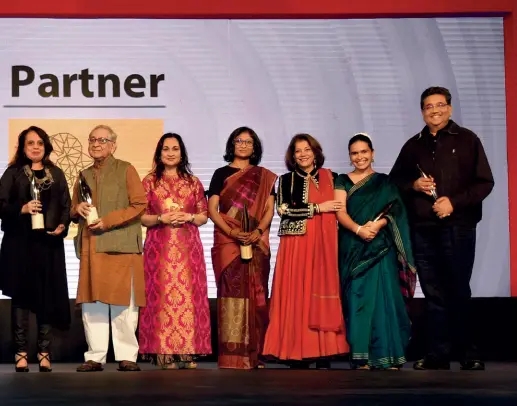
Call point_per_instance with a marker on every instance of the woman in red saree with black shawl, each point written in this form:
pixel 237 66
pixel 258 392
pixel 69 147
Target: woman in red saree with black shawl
pixel 242 285
pixel 306 318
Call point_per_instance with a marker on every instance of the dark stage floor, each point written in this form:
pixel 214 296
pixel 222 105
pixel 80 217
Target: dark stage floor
pixel 274 385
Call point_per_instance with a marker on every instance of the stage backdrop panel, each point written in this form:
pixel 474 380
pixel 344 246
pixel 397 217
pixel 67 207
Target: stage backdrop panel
pixel 204 78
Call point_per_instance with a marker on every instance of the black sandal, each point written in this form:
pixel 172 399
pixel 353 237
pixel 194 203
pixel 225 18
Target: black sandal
pixel 43 368
pixel 22 357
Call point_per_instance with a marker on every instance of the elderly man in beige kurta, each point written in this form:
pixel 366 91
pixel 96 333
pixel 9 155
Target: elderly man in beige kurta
pixel 111 273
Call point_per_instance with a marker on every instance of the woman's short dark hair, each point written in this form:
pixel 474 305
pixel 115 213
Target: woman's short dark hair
pixel 435 90
pixel 256 157
pixel 184 170
pixel 319 158
pixel 360 137
pixel 20 159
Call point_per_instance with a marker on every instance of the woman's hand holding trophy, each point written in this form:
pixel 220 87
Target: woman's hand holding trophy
pixel 32 207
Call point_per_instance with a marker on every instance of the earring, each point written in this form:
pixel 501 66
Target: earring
pixel 373 160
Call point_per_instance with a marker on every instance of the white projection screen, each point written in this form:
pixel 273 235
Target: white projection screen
pixel 329 78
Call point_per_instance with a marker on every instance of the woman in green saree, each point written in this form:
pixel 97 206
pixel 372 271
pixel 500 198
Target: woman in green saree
pixel 375 262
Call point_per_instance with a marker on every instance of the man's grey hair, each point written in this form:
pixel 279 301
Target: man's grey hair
pixel 113 134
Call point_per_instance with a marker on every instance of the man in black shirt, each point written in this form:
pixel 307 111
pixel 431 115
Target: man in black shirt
pixel 444 176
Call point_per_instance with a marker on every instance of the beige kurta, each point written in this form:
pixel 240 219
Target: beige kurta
pixel 106 277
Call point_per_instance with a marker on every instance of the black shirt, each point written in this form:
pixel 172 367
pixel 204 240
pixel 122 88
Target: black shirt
pixel 455 158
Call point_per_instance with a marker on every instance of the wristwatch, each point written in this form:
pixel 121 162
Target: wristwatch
pixel 159 218
pixel 260 231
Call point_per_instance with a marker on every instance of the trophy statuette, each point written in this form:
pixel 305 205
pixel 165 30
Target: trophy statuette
pixel 424 175
pixel 384 212
pixel 37 219
pixel 246 250
pixel 86 196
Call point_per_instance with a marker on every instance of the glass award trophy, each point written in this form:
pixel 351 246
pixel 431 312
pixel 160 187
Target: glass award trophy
pixel 37 220
pixel 424 175
pixel 86 196
pixel 246 250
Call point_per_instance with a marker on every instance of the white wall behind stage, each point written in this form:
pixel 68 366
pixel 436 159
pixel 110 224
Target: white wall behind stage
pixel 330 78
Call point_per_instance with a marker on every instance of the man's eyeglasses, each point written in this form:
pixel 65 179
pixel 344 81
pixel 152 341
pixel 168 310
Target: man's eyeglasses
pixel 439 106
pixel 99 140
pixel 244 143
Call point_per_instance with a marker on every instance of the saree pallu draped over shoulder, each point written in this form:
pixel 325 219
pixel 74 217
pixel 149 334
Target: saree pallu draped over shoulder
pixel 377 277
pixel 242 286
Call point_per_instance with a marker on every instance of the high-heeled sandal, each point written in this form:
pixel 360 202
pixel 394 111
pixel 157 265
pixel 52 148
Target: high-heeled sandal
pixel 22 357
pixel 43 368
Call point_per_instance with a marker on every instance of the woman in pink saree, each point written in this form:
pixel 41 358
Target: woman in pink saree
pixel 242 284
pixel 175 325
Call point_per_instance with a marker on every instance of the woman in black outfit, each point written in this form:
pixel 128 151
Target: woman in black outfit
pixel 32 262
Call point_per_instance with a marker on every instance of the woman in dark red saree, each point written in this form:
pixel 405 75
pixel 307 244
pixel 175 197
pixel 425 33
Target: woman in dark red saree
pixel 242 284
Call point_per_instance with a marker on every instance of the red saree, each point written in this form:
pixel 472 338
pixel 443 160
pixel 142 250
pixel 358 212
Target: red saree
pixel 305 311
pixel 242 286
